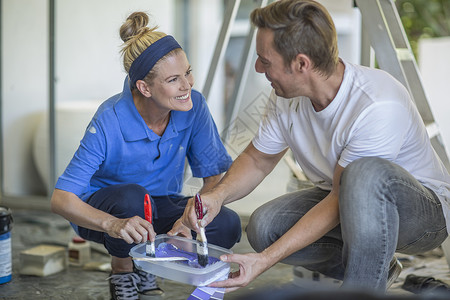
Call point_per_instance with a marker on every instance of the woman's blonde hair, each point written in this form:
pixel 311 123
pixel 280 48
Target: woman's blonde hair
pixel 137 37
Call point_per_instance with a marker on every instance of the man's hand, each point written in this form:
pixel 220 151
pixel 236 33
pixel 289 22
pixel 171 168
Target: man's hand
pixel 189 217
pixel 211 206
pixel 251 265
pixel 131 230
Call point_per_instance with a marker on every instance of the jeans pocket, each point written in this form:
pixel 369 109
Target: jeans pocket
pixel 428 241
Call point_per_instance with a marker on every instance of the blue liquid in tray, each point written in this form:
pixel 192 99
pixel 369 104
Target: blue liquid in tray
pixel 169 250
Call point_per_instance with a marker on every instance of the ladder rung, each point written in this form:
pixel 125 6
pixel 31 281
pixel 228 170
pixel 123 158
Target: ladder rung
pixel 404 54
pixel 432 129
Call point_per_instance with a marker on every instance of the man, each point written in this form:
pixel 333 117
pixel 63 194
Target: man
pixel 379 186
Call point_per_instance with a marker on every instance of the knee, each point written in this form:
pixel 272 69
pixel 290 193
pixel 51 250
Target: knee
pixel 128 200
pixel 225 230
pixel 362 166
pixel 365 171
pixel 258 233
pixel 131 191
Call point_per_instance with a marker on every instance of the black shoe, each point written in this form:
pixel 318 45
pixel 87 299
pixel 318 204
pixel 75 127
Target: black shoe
pixel 395 268
pixel 124 286
pixel 147 285
pixel 422 284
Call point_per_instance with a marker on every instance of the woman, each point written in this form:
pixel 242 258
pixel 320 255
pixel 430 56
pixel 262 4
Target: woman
pixel 136 144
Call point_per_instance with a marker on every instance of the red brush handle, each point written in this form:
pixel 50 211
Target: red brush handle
pixel 148 209
pixel 198 207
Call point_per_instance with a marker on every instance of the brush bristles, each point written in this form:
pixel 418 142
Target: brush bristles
pixel 150 249
pixel 202 249
pixel 202 260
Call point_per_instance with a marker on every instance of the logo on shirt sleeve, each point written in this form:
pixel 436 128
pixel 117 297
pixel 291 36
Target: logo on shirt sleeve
pixel 92 129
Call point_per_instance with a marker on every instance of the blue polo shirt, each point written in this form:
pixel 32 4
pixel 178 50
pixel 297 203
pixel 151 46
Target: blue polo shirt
pixel 118 147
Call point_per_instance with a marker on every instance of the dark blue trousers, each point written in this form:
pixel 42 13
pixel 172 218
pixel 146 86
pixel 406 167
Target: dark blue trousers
pixel 127 200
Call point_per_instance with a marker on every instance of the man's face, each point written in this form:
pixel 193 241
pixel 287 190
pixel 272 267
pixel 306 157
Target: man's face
pixel 271 63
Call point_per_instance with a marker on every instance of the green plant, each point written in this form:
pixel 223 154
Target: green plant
pixel 424 19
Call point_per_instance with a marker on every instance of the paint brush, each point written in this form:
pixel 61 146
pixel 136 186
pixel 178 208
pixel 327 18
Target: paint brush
pixel 150 246
pixel 202 249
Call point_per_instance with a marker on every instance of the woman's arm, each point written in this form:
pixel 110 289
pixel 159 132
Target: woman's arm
pixel 75 210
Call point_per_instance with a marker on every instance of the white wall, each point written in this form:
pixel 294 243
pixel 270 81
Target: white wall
pixel 434 65
pixel 87 61
pixel 25 88
pixel 87 41
pixel 205 24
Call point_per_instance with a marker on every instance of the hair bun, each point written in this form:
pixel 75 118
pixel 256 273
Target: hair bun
pixel 135 25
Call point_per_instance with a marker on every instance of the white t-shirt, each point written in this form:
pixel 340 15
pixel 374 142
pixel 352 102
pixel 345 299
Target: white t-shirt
pixel 371 115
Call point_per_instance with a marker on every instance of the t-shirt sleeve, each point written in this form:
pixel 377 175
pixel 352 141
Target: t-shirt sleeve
pixel 379 131
pixel 85 162
pixel 206 155
pixel 269 138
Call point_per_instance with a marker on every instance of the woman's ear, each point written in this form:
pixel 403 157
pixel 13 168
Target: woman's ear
pixel 144 88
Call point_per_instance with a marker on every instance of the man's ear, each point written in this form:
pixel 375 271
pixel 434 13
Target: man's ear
pixel 302 63
pixel 144 88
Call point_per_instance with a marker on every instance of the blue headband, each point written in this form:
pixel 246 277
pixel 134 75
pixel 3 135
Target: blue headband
pixel 150 56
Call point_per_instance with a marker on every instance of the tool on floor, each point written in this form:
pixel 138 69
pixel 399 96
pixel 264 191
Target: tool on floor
pixel 202 250
pixel 150 246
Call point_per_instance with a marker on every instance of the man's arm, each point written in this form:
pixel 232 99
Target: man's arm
pixel 210 182
pixel 244 175
pixel 313 225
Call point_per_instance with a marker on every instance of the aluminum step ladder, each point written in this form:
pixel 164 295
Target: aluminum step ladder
pixel 245 66
pixel 387 38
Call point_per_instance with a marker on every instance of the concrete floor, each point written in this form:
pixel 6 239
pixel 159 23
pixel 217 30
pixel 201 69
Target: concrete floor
pixel 36 227
pixel 33 228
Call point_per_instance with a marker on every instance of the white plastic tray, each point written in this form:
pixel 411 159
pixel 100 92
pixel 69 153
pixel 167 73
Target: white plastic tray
pixel 179 270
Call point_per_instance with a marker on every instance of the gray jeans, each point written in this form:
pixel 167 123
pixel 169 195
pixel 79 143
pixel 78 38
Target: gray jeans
pixel 383 210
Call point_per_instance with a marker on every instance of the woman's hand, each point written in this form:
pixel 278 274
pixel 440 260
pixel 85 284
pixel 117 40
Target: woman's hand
pixel 251 265
pixel 131 230
pixel 180 229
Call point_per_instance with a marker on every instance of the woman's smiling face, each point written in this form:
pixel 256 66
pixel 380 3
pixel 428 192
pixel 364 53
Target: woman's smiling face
pixel 171 88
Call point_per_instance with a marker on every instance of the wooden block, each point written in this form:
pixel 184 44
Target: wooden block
pixel 43 260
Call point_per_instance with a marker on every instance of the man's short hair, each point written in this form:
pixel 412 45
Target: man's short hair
pixel 301 26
